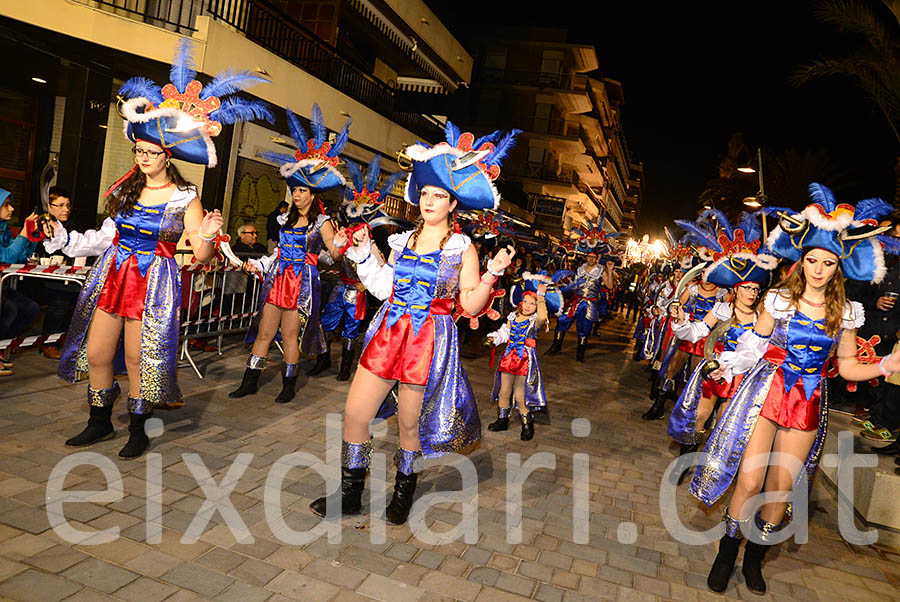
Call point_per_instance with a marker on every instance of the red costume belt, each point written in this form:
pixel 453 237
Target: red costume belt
pixel 125 290
pixel 573 304
pixel 360 311
pixel 791 409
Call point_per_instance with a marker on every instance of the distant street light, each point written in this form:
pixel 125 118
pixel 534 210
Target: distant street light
pixel 759 200
pixel 746 170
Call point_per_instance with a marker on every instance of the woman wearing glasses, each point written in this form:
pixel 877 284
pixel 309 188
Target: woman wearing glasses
pixel 781 404
pixel 135 286
pixel 735 265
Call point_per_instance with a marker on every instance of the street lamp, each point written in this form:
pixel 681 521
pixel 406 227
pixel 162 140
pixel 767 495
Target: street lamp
pixel 759 200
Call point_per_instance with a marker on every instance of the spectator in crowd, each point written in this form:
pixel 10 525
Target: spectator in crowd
pixel 249 240
pixel 882 422
pixel 58 295
pixel 17 311
pixel 273 227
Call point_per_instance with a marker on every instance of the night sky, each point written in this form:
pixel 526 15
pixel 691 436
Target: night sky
pixel 695 73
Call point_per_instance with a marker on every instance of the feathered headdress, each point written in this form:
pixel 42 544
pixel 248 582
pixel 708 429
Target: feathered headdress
pixel 314 164
pixel 593 239
pixel 184 115
pixel 362 200
pixel 733 253
pixel 849 232
pixel 463 166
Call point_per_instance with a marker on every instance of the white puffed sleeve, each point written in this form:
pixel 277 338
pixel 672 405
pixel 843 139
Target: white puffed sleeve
pixel 854 316
pixel 691 331
pixel 263 264
pixel 750 348
pixel 501 335
pixel 378 279
pixel 87 244
pixel 722 311
pixel 778 305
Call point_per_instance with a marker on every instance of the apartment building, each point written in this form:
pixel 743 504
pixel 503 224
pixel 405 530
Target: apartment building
pixel 571 163
pixel 67 58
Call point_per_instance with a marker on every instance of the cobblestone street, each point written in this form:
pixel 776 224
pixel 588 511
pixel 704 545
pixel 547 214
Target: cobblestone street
pixel 627 456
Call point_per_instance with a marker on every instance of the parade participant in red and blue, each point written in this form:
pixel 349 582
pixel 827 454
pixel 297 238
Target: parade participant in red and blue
pixel 518 375
pixel 583 308
pixel 289 297
pixel 735 263
pixel 135 285
pixel 412 340
pixel 347 302
pixel 781 403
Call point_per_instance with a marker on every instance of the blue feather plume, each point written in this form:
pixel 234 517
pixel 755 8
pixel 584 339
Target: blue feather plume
pixel 452 133
pixel 280 158
pixel 317 125
pixel 821 194
pixel 492 137
pixel 872 209
pixel 373 172
pixel 340 141
pixel 891 244
pixel 229 82
pixel 183 69
pixel 721 219
pixel 503 147
pixel 355 175
pixel 749 223
pixel 298 132
pixel 389 185
pixel 141 87
pixel 238 109
pixel 698 234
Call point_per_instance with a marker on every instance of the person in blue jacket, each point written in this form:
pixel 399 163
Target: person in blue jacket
pixel 17 311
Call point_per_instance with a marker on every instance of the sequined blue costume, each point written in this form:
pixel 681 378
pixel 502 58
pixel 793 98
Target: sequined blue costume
pixel 520 333
pixel 583 307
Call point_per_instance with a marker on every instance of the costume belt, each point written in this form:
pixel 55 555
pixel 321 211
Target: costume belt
pixel 573 304
pixel 360 311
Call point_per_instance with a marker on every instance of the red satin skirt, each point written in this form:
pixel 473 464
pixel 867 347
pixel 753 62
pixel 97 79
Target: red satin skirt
pixel 511 363
pixel 721 389
pixel 285 289
pixel 693 348
pixel 124 291
pixel 397 353
pixel 789 410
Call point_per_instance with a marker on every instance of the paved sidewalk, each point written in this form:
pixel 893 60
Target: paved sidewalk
pixel 627 459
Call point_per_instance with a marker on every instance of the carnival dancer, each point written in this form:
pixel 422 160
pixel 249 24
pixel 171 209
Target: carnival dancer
pixel 412 340
pixel 735 264
pixel 347 301
pixel 289 297
pixel 135 285
pixel 661 340
pixel 518 373
pixel 781 403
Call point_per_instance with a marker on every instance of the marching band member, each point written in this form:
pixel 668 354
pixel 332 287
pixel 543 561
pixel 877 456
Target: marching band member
pixel 290 294
pixel 781 403
pixel 135 285
pixel 412 340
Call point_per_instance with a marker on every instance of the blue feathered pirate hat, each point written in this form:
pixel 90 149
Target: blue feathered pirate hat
pixel 732 253
pixel 530 282
pixel 847 231
pixel 184 116
pixel 363 197
pixel 463 166
pixel 314 164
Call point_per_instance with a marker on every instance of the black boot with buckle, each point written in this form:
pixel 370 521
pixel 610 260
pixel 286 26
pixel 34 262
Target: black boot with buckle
pixel 502 422
pixel 582 345
pixel 556 347
pixel 527 426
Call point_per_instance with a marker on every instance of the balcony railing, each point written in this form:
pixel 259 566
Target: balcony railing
pixel 539 171
pixel 266 25
pixel 542 79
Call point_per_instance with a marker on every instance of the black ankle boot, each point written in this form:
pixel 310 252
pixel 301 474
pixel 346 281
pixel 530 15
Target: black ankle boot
pixel 323 363
pixel 527 427
pixel 556 347
pixel 582 345
pixel 752 569
pixel 99 426
pixel 502 422
pixel 404 487
pixel 249 384
pixel 138 441
pixel 656 411
pixel 686 449
pixel 723 565
pixel 288 383
pixel 347 357
pixel 654 387
pixel 349 498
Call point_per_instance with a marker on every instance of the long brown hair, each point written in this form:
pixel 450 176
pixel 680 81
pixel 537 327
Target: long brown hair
pixel 125 197
pixel 420 223
pixel 794 285
pixel 311 214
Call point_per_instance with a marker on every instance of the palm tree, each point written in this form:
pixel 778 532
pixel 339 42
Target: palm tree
pixel 875 65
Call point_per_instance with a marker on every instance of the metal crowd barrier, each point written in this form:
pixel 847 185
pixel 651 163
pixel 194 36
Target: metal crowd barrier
pixel 65 273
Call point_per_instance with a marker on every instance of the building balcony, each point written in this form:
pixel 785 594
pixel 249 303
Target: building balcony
pixel 569 87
